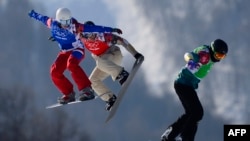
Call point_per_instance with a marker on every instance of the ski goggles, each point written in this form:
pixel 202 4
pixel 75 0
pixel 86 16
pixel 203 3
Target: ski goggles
pixel 65 22
pixel 219 56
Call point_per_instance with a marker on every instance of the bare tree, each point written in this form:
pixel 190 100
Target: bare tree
pixel 20 121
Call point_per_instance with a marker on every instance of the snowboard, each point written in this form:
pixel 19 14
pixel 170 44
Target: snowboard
pixel 74 102
pixel 124 88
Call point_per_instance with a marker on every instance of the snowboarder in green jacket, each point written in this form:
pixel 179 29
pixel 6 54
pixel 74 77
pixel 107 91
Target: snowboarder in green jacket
pixel 199 62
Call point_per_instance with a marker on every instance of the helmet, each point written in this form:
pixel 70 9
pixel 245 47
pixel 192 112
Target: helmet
pixel 63 16
pixel 89 35
pixel 89 23
pixel 219 48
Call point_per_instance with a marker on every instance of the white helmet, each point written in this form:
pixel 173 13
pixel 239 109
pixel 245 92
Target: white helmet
pixel 63 16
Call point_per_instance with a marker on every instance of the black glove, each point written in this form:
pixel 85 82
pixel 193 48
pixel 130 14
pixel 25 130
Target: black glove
pixel 138 55
pixel 117 30
pixel 51 39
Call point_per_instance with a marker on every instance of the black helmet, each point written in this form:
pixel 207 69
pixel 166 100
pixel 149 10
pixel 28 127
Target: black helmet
pixel 89 23
pixel 219 46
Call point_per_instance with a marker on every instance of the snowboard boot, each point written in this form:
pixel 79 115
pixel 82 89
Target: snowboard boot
pixel 86 94
pixel 110 102
pixel 164 136
pixel 67 98
pixel 122 77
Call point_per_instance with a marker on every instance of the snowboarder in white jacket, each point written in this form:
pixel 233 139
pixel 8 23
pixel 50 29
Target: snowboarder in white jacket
pixel 108 57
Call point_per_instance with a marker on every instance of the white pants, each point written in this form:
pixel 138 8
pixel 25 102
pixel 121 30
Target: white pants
pixel 107 64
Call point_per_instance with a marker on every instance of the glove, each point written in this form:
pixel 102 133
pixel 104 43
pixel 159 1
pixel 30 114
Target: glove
pixel 193 65
pixel 32 13
pixel 117 30
pixel 138 55
pixel 51 39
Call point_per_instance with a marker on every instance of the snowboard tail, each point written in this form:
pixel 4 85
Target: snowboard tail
pixel 124 88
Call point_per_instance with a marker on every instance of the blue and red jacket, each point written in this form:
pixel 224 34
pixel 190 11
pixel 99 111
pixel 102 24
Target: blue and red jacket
pixel 68 39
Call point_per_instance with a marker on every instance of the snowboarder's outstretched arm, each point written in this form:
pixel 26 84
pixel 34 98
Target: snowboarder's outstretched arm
pixel 44 19
pixel 121 41
pixel 130 48
pixel 98 28
pixel 81 27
